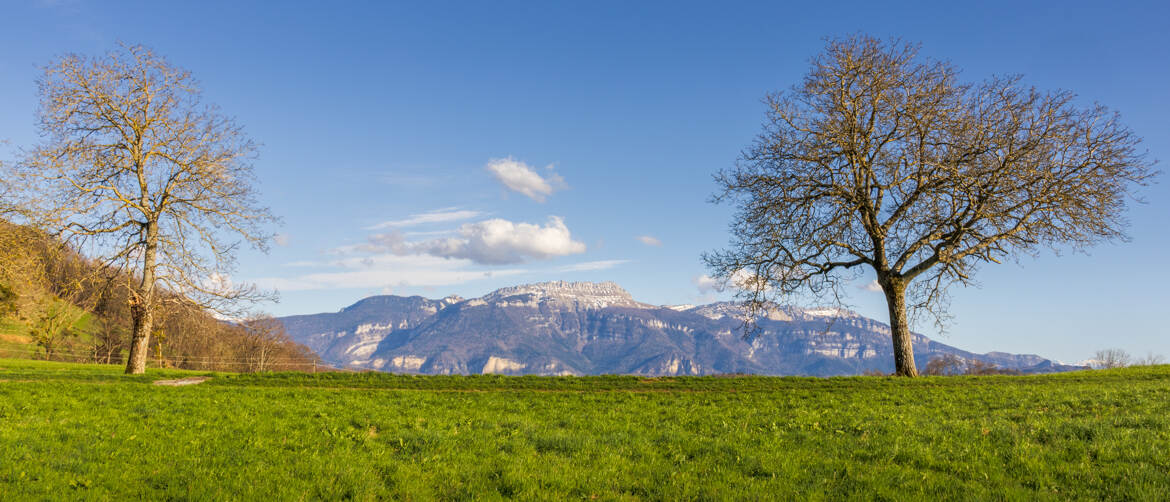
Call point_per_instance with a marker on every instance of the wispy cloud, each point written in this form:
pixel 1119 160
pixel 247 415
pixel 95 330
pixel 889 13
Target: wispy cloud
pixel 445 215
pixel 430 233
pixel 519 177
pixel 470 252
pixel 649 240
pixel 388 271
pixel 303 264
pixel 490 242
pixel 740 280
pixel 707 284
pixel 592 265
pixel 871 286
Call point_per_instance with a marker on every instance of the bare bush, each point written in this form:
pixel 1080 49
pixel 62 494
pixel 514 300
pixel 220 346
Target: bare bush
pixel 1150 359
pixel 947 364
pixel 1111 358
pixel 977 367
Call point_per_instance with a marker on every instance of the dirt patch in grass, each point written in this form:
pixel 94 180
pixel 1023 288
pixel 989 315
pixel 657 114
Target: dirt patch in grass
pixel 183 381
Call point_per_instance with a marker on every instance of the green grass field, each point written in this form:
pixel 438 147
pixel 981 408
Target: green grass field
pixel 87 432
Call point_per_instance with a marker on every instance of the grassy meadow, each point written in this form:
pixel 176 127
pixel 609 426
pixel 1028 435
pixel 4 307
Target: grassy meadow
pixel 70 431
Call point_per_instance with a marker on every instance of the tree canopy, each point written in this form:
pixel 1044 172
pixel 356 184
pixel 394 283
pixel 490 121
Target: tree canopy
pixel 136 170
pixel 882 159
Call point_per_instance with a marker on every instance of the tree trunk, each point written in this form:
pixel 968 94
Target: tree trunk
pixel 895 290
pixel 140 341
pixel 143 309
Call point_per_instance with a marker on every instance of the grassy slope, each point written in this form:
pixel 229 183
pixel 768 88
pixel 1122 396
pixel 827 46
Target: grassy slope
pixel 16 340
pixel 84 431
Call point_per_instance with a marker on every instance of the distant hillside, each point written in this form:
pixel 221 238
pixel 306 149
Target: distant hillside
pixel 561 328
pixel 56 304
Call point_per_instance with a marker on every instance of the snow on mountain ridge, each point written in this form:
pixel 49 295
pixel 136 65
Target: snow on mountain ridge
pixel 561 328
pixel 594 295
pixel 735 310
pixel 563 288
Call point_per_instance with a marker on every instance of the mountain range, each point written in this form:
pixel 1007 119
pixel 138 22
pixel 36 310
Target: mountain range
pixel 583 328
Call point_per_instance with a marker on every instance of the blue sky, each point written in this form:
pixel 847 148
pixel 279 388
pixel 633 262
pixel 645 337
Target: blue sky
pixel 443 148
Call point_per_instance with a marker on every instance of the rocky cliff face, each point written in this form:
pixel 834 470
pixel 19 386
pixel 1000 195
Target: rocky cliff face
pixel 348 337
pixel 562 328
pixel 566 295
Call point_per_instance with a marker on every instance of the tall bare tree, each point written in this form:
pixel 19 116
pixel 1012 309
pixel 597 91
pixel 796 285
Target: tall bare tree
pixel 134 169
pixel 883 159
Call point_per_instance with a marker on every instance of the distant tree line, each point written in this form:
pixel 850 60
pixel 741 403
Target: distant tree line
pixel 59 305
pixel 950 364
pixel 1118 358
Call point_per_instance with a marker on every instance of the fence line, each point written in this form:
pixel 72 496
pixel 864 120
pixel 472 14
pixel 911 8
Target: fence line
pixel 38 348
pixel 202 361
pixel 172 358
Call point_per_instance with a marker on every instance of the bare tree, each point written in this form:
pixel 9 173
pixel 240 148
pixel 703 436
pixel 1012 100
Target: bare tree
pixel 107 344
pixel 263 337
pixel 946 364
pixel 1111 358
pixel 977 367
pixel 1150 359
pixel 134 169
pixel 883 160
pixel 54 327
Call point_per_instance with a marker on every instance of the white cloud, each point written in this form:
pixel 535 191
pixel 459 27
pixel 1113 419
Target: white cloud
pixel 707 284
pixel 391 260
pixel 218 282
pixel 428 233
pixel 489 242
pixel 498 241
pixel 873 286
pixel 592 265
pixel 280 239
pixel 741 280
pixel 444 215
pixel 392 242
pixel 519 177
pixel 649 240
pixel 745 280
